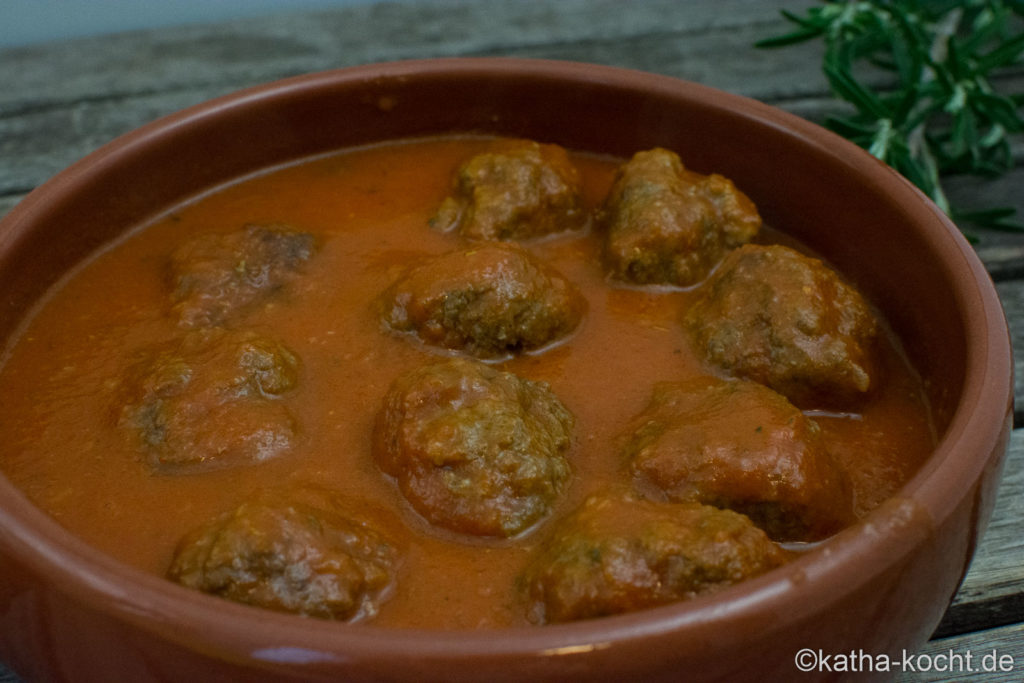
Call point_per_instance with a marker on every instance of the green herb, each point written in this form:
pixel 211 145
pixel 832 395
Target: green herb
pixel 917 73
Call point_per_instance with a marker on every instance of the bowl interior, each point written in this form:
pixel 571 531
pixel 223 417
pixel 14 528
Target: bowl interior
pixel 854 210
pixel 805 181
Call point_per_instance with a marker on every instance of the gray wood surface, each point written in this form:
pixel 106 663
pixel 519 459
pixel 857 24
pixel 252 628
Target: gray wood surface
pixel 992 593
pixel 1011 293
pixel 985 647
pixel 60 101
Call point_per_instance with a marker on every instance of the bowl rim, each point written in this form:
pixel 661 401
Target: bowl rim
pixel 196 620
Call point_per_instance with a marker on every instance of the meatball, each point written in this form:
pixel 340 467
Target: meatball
pixel 210 401
pixel 216 276
pixel 668 225
pixel 473 449
pixel 616 555
pixel 489 301
pixel 518 190
pixel 739 445
pixel 775 316
pixel 289 557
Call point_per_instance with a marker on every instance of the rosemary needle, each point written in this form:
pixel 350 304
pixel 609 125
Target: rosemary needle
pixel 918 76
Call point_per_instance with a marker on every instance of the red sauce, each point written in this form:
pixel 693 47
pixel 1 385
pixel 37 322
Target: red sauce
pixel 370 207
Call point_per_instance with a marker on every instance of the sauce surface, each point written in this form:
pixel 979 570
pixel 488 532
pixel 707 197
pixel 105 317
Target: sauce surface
pixel 370 210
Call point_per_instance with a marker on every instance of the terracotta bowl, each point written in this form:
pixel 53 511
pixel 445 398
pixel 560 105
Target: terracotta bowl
pixel 68 612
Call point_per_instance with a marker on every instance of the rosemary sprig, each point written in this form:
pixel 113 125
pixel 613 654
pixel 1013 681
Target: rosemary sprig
pixel 917 74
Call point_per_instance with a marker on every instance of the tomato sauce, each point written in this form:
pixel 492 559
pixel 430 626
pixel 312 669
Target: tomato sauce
pixel 369 208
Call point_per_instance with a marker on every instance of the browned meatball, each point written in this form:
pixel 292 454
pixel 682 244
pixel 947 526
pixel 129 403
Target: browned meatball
pixel 219 275
pixel 617 555
pixel 210 401
pixel 668 225
pixel 289 557
pixel 489 301
pixel 474 449
pixel 518 190
pixel 740 445
pixel 775 316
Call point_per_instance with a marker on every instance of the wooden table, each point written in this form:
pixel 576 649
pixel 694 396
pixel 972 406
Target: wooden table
pixel 60 101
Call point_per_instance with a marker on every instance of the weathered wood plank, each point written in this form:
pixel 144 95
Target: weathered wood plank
pixel 993 591
pixel 1002 254
pixel 1011 294
pixel 7 203
pixel 61 101
pixel 705 40
pixel 36 145
pixel 985 648
pixel 260 49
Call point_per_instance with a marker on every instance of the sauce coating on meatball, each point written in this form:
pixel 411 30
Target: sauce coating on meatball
pixel 209 401
pixel 216 277
pixel 473 449
pixel 739 445
pixel 290 557
pixel 518 190
pixel 668 225
pixel 777 317
pixel 490 300
pixel 617 555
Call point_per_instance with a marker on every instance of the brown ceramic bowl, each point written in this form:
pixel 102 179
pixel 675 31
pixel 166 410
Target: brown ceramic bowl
pixel 67 612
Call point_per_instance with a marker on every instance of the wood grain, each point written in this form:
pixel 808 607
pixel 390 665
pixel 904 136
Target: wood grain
pixel 62 100
pixel 1011 294
pixel 1004 641
pixel 992 593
